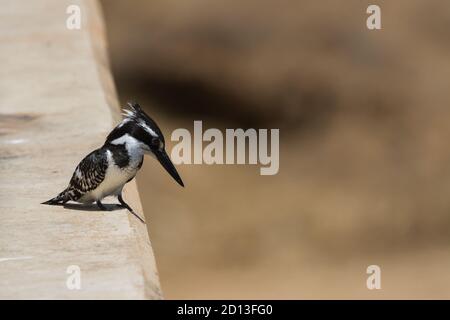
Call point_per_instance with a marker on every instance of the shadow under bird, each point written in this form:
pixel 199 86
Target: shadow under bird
pixel 105 171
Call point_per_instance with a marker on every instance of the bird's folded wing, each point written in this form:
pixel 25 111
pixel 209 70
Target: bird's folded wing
pixel 90 172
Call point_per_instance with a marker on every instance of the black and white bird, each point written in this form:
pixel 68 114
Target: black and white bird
pixel 105 171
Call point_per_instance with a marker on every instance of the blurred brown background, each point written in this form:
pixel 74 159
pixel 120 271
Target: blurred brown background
pixel 364 157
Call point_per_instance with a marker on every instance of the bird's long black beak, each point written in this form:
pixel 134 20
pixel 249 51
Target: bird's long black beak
pixel 165 161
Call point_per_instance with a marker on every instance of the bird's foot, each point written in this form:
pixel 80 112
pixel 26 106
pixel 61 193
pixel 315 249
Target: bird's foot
pixel 101 206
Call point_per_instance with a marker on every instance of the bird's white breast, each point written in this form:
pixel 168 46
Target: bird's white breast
pixel 116 177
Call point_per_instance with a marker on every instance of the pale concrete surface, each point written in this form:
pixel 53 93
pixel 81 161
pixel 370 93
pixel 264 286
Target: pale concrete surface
pixel 57 103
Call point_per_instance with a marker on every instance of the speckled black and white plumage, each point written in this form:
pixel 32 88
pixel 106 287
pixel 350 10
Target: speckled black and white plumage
pixel 87 176
pixel 106 170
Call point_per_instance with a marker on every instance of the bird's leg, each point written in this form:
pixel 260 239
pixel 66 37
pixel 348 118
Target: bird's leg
pixel 101 206
pixel 125 205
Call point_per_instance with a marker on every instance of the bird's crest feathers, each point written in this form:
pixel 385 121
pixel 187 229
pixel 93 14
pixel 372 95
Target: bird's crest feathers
pixel 136 115
pixel 134 112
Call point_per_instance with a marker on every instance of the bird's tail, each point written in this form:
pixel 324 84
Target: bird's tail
pixel 61 198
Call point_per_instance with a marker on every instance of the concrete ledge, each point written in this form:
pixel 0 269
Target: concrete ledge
pixel 57 103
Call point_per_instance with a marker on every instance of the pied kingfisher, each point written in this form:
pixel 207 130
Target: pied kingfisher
pixel 106 170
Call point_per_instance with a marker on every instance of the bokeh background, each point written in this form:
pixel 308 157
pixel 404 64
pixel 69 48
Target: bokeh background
pixel 364 150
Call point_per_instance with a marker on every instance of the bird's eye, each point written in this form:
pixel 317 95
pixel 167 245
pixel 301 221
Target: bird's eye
pixel 155 142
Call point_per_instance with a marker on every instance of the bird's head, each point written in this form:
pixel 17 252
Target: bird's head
pixel 141 131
